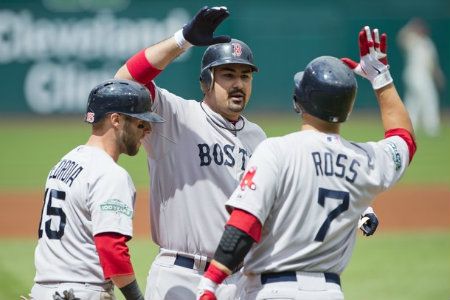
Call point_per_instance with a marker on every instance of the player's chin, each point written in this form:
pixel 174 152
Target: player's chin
pixel 133 150
pixel 236 106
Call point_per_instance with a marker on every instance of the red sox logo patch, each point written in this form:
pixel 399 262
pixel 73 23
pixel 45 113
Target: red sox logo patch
pixel 90 117
pixel 247 180
pixel 237 49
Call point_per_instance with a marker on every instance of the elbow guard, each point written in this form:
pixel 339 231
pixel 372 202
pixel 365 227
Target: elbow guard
pixel 233 247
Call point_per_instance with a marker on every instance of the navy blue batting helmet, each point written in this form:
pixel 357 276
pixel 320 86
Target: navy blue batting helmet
pixel 120 96
pixel 234 52
pixel 326 89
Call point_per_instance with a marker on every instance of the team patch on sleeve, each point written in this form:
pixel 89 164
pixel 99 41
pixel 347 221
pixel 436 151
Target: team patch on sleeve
pixel 247 180
pixel 117 206
pixel 395 155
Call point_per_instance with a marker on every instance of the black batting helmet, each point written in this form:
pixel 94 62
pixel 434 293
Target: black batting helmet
pixel 120 96
pixel 326 89
pixel 234 52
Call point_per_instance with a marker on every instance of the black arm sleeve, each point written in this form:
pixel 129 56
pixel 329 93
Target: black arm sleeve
pixel 233 247
pixel 131 291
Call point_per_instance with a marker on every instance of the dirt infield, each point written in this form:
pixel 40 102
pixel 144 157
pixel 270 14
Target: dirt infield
pixel 401 208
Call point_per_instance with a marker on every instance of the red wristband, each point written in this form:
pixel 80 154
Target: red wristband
pixel 215 274
pixel 141 69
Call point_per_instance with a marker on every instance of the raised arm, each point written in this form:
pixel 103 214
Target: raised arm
pixel 146 64
pixel 158 56
pixel 374 67
pixel 393 112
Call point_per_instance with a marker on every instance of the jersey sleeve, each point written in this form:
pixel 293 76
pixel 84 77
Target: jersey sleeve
pixel 257 190
pixel 175 111
pixel 392 158
pixel 169 105
pixel 111 202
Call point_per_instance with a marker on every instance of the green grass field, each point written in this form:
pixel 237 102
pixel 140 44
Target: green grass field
pixel 401 266
pixel 31 148
pixel 413 266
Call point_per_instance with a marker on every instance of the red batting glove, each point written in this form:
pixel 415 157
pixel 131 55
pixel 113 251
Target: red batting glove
pixel 380 46
pixel 373 59
pixel 208 295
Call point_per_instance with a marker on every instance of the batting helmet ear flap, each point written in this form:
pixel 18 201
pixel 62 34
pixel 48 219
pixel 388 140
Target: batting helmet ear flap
pixel 207 78
pixel 297 107
pixel 296 101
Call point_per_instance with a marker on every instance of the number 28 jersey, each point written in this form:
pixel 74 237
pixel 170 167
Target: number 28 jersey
pixel 308 189
pixel 86 193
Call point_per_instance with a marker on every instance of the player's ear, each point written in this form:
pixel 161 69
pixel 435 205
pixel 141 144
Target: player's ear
pixel 114 119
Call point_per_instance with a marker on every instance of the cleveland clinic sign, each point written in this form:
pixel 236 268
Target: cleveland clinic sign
pixel 68 56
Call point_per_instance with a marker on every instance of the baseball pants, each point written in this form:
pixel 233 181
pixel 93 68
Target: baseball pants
pixel 175 276
pixel 291 286
pixel 45 291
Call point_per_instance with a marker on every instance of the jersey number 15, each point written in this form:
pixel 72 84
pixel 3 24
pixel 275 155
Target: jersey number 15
pixel 50 210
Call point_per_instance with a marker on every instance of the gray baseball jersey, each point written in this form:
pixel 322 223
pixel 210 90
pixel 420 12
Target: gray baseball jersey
pixel 308 189
pixel 86 193
pixel 196 159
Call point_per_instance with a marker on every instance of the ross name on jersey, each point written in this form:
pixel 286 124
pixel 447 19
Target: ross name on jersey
pixel 66 171
pixel 220 155
pixel 338 165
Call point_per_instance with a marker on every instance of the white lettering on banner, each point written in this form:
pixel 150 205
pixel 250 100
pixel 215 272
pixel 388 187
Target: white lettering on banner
pixel 104 36
pixel 62 52
pixel 51 87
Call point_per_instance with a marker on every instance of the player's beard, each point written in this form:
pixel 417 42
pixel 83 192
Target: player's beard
pixel 130 142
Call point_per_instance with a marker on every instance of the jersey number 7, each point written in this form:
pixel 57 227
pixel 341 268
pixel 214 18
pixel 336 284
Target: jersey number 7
pixel 53 211
pixel 331 194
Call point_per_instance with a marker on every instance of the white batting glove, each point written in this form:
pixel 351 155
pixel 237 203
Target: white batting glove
pixel 373 59
pixel 368 222
pixel 206 289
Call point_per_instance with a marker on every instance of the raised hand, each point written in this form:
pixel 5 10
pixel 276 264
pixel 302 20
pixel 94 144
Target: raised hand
pixel 373 58
pixel 199 31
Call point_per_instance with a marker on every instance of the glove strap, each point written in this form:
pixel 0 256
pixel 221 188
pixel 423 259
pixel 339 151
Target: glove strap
pixel 369 210
pixel 207 284
pixel 181 41
pixel 382 80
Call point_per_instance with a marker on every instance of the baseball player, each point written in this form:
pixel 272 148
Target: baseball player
pixel 422 76
pixel 198 156
pixel 89 199
pixel 302 194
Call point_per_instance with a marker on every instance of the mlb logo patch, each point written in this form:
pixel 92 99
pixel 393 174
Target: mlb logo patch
pixel 237 49
pixel 395 154
pixel 247 180
pixel 90 116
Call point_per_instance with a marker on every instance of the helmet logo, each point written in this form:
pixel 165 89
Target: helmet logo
pixel 90 116
pixel 247 181
pixel 237 49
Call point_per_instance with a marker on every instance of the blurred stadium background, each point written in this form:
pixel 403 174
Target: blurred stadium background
pixel 52 52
